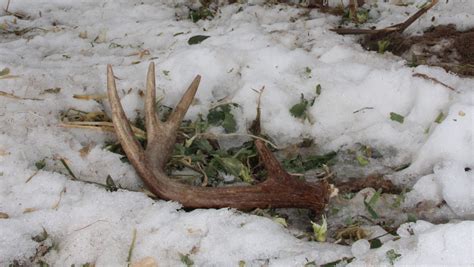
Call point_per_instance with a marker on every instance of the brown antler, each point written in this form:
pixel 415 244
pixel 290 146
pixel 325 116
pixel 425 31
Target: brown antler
pixel 279 189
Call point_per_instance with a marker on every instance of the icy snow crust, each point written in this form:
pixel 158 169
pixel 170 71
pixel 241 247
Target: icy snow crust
pixel 248 49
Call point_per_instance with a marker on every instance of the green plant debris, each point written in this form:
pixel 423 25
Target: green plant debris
pixel 411 217
pixel 370 204
pixel 440 118
pixel 110 184
pixel 222 116
pixel 40 164
pixel 362 160
pixel 4 71
pixel 55 90
pixel 318 89
pixel 399 199
pixel 298 164
pixel 281 221
pixel 166 72
pixel 341 262
pixel 392 256
pixel 63 161
pixel 375 243
pixel 320 231
pixel 382 46
pixel 311 264
pixel 41 236
pixel 197 39
pixel 186 260
pixel 396 117
pixel 300 110
pixel 200 13
pixel 241 263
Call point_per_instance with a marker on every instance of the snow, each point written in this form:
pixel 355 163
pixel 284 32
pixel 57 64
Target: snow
pixel 261 45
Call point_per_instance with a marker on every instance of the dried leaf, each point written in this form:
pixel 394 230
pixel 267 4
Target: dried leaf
pixel 4 215
pixel 145 262
pixel 28 210
pixel 84 151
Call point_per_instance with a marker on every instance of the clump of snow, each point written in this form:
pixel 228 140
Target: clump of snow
pixel 426 244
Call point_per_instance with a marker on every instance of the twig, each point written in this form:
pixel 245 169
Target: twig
pixel 55 206
pixel 206 179
pixel 214 136
pixel 31 176
pixel 8 5
pixel 395 28
pixel 90 97
pixel 132 246
pixel 9 95
pixel 63 161
pixel 424 76
pixel 102 125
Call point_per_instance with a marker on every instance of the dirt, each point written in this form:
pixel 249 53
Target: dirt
pixel 442 46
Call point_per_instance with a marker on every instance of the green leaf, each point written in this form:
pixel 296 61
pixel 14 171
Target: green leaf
pixel 396 117
pixel 197 39
pixel 369 204
pixel 299 110
pixel 298 164
pixel 392 256
pixel 222 116
pixel 166 72
pixel 229 124
pixel 235 167
pixel 371 211
pixel 373 200
pixel 186 260
pixel 375 243
pixel 241 263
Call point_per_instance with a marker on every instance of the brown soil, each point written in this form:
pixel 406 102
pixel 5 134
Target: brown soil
pixel 442 46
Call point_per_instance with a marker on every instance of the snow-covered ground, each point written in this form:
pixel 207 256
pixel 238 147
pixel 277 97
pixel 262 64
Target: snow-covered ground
pixel 287 50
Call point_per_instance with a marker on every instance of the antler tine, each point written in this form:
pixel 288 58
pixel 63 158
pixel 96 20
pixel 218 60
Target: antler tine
pixel 122 126
pixel 151 118
pixel 270 162
pixel 180 110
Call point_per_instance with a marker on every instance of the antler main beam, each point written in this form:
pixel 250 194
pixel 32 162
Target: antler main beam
pixel 279 190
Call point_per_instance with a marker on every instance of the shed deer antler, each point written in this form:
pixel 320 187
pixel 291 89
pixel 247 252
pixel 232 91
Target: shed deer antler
pixel 279 189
